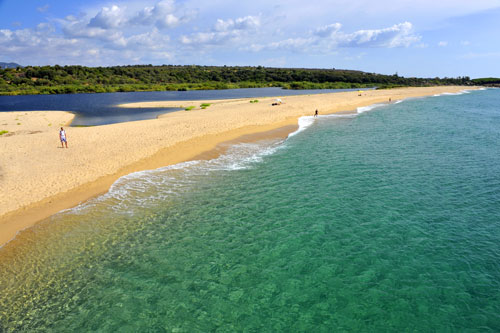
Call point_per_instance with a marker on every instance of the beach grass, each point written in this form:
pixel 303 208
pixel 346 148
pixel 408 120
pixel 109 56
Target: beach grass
pixel 189 108
pixel 3 132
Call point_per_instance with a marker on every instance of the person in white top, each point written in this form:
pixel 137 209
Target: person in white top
pixel 62 137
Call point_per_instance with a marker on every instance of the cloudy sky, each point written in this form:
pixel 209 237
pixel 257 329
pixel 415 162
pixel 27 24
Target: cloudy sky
pixel 424 38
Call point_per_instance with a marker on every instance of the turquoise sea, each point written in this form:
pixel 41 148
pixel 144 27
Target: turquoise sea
pixel 383 220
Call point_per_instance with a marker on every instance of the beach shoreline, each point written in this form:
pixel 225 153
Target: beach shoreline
pixel 42 179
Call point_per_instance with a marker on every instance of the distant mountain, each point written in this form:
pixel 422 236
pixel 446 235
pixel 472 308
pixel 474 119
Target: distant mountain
pixel 9 65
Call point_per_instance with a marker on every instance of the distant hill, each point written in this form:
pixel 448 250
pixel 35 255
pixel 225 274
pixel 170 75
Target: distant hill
pixel 79 79
pixel 487 81
pixel 9 65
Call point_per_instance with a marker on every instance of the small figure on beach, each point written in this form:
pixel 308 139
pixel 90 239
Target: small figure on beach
pixel 316 113
pixel 278 102
pixel 62 137
pixel 389 99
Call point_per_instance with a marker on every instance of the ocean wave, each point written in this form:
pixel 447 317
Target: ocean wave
pixel 462 92
pixel 304 122
pixel 148 188
pixel 363 109
pixel 348 115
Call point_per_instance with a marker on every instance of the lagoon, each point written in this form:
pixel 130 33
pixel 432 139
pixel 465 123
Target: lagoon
pixel 101 109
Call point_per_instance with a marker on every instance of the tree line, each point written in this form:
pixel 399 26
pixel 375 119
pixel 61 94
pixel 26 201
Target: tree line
pixel 79 79
pixel 487 81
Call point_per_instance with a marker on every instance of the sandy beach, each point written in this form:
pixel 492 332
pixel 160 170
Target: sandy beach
pixel 38 178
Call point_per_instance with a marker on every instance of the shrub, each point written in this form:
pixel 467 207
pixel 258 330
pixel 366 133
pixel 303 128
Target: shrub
pixel 189 108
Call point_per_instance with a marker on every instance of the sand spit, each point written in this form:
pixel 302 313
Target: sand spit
pixel 39 178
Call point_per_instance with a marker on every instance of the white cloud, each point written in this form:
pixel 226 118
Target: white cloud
pixel 329 37
pixel 291 44
pixel 108 35
pixel 399 35
pixel 108 18
pixel 210 38
pixel 119 32
pixel 19 44
pixel 328 30
pixel 161 15
pixel 168 21
pixel 224 31
pixel 164 7
pixel 443 44
pixel 242 23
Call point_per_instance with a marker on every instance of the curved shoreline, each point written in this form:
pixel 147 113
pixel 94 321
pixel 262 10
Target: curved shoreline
pixel 141 145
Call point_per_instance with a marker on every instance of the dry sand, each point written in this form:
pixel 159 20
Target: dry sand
pixel 39 178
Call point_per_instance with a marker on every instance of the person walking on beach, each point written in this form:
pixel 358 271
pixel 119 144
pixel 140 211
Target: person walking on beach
pixel 316 113
pixel 62 137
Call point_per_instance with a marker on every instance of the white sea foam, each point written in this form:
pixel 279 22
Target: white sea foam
pixel 347 115
pixel 304 122
pixel 363 109
pixel 147 188
pixel 465 91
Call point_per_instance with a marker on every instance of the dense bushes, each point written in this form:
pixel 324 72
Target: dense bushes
pixel 495 81
pixel 79 79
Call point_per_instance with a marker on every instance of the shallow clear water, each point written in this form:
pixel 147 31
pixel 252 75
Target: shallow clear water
pixel 384 221
pixel 101 109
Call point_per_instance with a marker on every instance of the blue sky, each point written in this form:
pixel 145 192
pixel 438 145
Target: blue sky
pixel 413 38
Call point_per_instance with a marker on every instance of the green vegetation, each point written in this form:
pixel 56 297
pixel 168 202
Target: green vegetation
pixel 487 81
pixel 189 108
pixel 254 101
pixel 205 105
pixel 78 79
pixel 3 132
